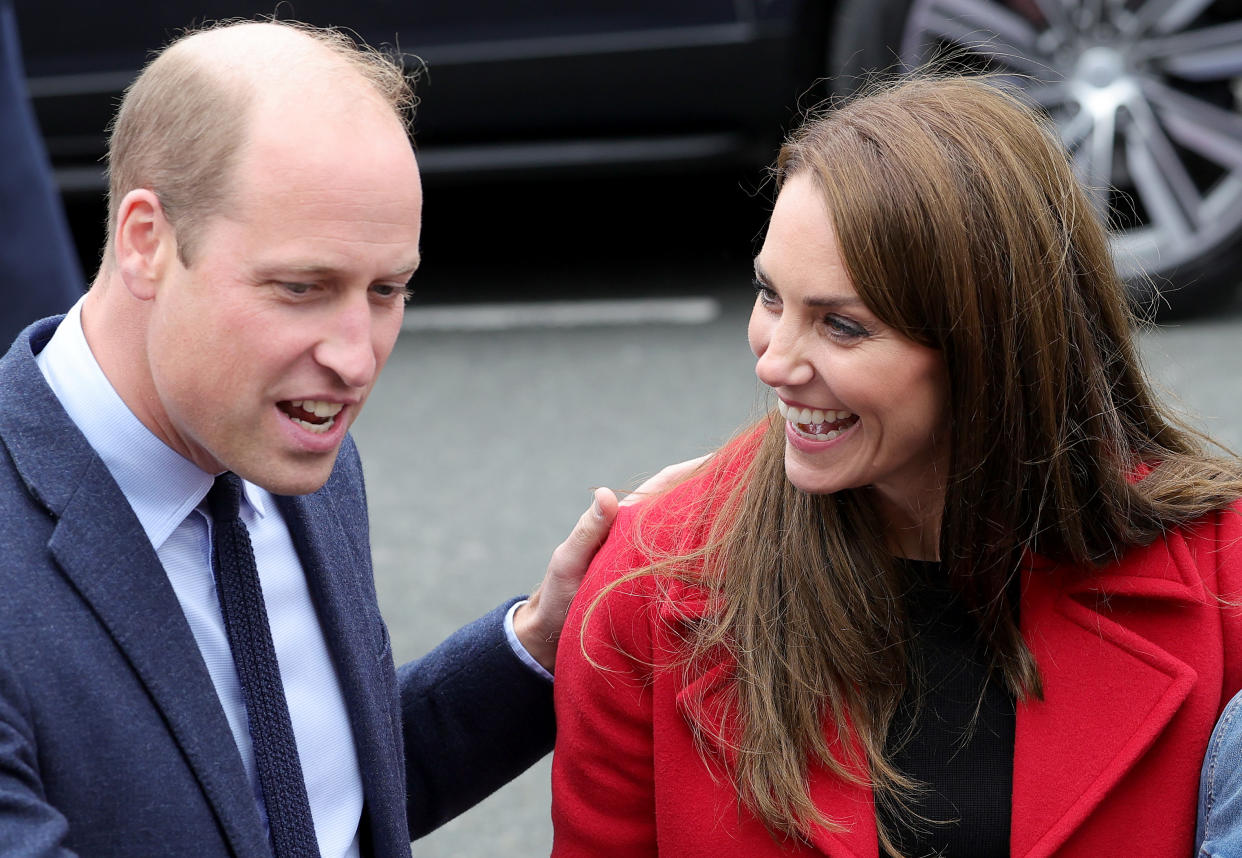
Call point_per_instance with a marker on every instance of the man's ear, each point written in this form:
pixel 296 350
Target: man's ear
pixel 145 242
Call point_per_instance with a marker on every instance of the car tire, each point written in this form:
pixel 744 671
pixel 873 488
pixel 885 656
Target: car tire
pixel 1150 110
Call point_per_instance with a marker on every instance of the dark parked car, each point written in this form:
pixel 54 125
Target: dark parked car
pixel 1146 93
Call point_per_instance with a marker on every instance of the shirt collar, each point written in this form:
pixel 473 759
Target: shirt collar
pixel 161 485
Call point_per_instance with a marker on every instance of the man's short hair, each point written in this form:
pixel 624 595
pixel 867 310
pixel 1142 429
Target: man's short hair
pixel 181 123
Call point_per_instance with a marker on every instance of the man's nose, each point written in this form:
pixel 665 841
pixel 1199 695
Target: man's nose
pixel 783 362
pixel 348 346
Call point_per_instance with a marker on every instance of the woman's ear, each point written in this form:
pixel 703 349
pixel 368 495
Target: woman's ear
pixel 145 243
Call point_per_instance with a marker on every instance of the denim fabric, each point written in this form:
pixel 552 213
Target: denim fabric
pixel 1219 831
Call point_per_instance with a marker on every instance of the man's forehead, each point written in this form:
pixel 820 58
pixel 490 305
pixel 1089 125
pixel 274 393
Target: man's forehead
pixel 309 159
pixel 304 128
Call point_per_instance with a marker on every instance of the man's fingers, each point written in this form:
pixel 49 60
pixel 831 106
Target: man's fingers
pixel 538 623
pixel 572 557
pixel 665 479
pixel 591 529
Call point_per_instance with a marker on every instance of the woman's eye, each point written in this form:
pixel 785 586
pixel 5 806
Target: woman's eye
pixel 767 297
pixel 843 328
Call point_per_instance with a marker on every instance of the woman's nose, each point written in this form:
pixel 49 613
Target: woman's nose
pixel 781 361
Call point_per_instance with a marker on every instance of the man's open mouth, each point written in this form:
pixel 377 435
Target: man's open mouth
pixel 312 414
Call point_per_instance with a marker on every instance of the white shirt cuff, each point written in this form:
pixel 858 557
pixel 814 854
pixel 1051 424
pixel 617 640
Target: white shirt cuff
pixel 516 645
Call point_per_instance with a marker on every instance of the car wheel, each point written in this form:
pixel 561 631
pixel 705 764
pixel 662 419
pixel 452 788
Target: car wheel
pixel 1145 94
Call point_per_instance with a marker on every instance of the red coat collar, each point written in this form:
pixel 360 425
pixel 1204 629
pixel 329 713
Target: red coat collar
pixel 1109 694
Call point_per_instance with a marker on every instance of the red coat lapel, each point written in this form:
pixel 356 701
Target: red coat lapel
pixel 851 804
pixel 1108 692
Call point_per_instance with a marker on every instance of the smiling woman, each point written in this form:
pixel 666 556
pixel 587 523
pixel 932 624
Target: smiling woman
pixel 959 593
pixel 823 350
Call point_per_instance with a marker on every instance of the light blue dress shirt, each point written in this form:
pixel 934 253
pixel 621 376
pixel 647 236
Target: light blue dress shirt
pixel 167 494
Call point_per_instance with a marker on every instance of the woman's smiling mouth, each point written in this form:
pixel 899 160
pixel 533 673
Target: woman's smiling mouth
pixel 814 424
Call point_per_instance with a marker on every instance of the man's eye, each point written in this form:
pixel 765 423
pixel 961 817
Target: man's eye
pixel 389 290
pixel 297 288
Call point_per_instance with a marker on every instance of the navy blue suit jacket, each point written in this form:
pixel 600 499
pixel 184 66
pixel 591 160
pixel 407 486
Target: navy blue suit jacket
pixel 112 738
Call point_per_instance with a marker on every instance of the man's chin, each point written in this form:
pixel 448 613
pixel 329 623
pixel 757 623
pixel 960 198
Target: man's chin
pixel 302 478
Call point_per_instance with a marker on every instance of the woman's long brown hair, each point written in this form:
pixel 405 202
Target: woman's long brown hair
pixel 962 226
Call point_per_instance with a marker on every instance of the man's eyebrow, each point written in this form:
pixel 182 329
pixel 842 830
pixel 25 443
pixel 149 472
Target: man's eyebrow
pixel 829 301
pixel 405 272
pixel 286 270
pixel 317 270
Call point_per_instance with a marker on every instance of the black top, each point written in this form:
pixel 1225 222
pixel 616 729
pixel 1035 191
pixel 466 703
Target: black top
pixel 964 759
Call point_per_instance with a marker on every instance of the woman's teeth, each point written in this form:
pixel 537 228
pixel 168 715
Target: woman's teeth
pixel 810 416
pixel 816 424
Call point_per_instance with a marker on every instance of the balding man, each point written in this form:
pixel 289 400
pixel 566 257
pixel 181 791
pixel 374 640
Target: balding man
pixel 192 661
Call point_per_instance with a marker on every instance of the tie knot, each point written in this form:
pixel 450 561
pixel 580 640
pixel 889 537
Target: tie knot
pixel 224 499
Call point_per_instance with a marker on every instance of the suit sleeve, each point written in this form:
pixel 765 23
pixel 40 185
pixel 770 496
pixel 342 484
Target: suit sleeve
pixel 29 826
pixel 603 785
pixel 474 717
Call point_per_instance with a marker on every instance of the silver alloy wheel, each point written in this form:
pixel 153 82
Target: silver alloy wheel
pixel 1145 94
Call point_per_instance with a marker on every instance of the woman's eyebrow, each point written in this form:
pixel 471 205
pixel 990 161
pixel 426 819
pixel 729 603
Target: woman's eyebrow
pixel 833 301
pixel 759 275
pixel 818 301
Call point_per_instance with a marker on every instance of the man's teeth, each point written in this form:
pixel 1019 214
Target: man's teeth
pixel 325 411
pixel 318 407
pixel 317 428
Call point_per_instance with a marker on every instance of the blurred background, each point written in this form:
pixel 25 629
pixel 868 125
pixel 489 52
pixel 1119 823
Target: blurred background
pixel 1145 93
pixel 595 190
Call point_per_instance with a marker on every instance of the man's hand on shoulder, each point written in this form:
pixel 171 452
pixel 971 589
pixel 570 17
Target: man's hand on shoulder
pixel 538 623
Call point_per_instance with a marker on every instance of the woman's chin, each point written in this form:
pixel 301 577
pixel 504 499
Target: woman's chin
pixel 812 481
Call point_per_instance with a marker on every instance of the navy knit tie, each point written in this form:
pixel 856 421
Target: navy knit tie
pixel 250 638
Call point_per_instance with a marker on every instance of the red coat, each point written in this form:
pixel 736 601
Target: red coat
pixel 1137 662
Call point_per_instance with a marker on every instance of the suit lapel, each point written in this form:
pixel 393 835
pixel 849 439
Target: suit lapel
pixel 336 559
pixel 1109 693
pixel 102 550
